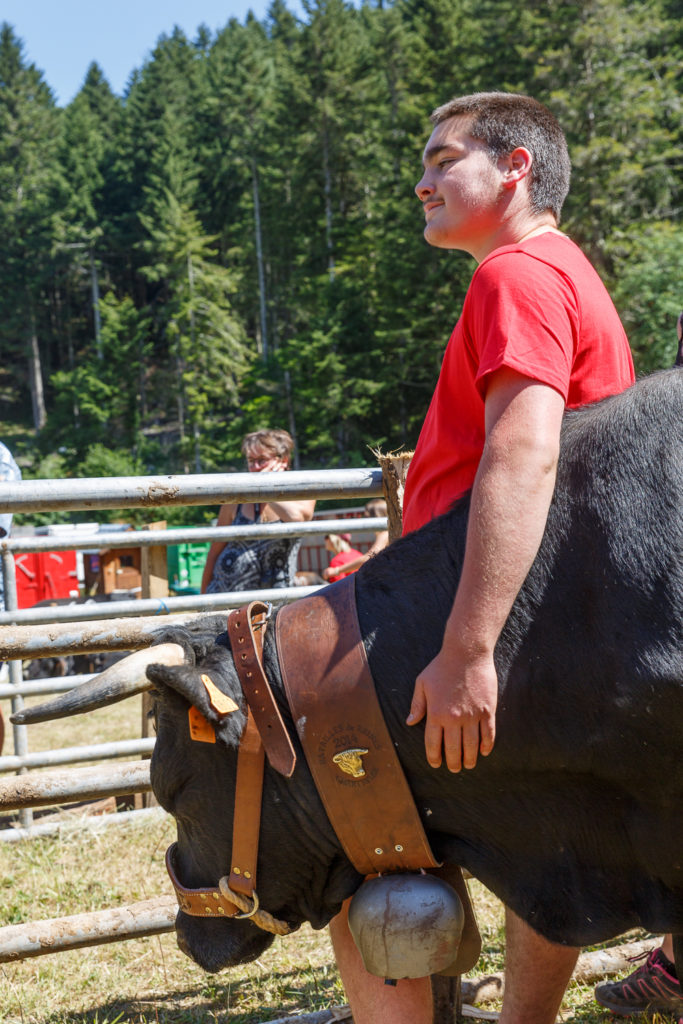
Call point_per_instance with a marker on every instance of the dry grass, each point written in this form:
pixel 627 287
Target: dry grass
pixel 119 722
pixel 149 980
pixel 141 979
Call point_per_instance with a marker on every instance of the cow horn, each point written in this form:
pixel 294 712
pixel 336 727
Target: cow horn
pixel 123 679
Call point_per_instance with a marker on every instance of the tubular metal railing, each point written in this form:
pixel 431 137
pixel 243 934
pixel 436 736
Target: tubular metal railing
pixel 122 626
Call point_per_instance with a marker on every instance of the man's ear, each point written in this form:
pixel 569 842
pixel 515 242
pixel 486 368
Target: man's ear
pixel 516 166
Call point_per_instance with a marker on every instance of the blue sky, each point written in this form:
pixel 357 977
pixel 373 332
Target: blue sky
pixel 63 37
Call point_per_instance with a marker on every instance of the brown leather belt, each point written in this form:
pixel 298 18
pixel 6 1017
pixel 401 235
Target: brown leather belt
pixel 341 727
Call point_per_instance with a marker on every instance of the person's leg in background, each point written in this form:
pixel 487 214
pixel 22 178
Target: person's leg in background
pixel 653 987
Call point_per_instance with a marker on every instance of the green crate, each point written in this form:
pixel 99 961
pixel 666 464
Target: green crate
pixel 186 566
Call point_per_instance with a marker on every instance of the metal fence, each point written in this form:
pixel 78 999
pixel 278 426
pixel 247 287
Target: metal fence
pixel 123 626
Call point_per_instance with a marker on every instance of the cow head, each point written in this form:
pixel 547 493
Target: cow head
pixel 302 873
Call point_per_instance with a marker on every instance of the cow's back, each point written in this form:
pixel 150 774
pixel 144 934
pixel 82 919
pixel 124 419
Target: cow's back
pixel 575 818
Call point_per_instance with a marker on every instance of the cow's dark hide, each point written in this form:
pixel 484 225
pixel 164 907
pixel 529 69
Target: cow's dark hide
pixel 575 820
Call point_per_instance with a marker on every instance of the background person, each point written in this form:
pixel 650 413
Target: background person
pixel 374 509
pixel 9 471
pixel 652 988
pixel 258 564
pixel 343 557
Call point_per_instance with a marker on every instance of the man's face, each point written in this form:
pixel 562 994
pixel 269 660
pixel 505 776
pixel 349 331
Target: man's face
pixel 461 190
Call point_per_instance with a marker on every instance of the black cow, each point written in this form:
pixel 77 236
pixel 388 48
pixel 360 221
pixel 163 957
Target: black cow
pixel 575 820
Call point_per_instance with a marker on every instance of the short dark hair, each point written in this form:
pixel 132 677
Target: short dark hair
pixel 505 120
pixel 278 442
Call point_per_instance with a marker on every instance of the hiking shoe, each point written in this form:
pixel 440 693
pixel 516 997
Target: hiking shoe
pixel 649 989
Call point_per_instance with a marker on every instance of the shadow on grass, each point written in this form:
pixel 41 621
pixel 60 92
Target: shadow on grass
pixel 241 1001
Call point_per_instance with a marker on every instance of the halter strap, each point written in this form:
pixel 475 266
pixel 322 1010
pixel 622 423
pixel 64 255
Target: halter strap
pixel 235 895
pixel 246 627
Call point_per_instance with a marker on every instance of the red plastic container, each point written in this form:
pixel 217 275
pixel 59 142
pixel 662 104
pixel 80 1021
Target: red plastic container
pixel 45 575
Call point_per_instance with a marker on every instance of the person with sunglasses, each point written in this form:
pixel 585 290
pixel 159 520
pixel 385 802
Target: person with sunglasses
pixel 258 564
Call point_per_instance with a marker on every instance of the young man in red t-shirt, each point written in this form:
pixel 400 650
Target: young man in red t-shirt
pixel 538 333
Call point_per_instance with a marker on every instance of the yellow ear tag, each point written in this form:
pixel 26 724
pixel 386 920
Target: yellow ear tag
pixel 220 703
pixel 200 729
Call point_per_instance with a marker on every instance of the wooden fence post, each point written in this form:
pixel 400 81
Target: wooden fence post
pixel 154 583
pixel 394 471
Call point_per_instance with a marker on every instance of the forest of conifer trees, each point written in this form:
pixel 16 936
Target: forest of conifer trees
pixel 235 242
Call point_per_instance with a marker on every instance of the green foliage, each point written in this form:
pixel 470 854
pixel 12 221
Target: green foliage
pixel 206 342
pixel 99 399
pixel 647 291
pixel 102 461
pixel 31 190
pixel 235 243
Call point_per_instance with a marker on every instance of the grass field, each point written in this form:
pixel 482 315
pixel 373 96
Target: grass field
pixel 149 980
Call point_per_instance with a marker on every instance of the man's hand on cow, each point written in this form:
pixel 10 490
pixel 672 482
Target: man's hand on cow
pixel 458 695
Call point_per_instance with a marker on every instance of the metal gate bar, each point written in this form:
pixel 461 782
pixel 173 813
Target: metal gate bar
pixel 203 489
pixel 124 630
pixel 90 822
pixel 43 789
pixel 40 687
pixel 57 934
pixel 82 541
pixel 152 607
pixel 72 755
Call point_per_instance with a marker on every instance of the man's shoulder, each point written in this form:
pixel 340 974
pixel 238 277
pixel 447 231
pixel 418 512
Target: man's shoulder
pixel 550 268
pixel 553 250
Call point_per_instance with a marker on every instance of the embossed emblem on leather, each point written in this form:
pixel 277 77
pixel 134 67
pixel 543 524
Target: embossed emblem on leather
pixel 351 761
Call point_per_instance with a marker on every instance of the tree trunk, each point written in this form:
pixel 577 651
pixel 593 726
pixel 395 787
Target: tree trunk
pixel 97 323
pixel 291 418
pixel 259 263
pixel 180 403
pixel 394 472
pixel 328 200
pixel 35 379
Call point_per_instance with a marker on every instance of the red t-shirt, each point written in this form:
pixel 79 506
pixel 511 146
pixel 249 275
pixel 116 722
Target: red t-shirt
pixel 537 307
pixel 340 560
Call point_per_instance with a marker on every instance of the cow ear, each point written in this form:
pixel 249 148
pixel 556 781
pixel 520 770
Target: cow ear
pixel 204 688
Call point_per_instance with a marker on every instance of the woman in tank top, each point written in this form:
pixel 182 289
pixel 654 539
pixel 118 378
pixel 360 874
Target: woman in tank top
pixel 254 564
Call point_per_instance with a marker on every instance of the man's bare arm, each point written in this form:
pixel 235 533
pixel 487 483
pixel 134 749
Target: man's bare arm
pixel 509 507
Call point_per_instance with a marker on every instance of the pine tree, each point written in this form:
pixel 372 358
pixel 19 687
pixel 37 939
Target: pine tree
pixel 235 146
pixel 31 188
pixel 193 313
pixel 88 130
